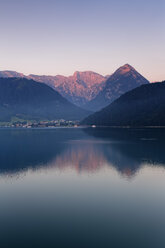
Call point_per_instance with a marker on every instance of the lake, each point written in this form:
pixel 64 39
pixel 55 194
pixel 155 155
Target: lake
pixel 91 187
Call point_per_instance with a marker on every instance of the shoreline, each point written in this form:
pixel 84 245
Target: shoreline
pixel 96 127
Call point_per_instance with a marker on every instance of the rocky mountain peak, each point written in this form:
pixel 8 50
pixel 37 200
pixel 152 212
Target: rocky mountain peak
pixel 122 80
pixel 125 69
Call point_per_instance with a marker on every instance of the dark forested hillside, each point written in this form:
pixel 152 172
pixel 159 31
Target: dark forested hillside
pixel 143 106
pixel 28 99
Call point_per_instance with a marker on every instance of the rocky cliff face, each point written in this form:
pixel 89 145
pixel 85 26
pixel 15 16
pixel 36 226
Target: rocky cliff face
pixel 79 88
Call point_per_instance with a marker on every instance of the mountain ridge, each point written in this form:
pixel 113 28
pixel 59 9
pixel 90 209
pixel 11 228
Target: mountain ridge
pixel 89 89
pixel 79 88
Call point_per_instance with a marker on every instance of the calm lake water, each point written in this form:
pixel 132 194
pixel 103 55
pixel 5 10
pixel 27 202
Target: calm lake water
pixel 82 188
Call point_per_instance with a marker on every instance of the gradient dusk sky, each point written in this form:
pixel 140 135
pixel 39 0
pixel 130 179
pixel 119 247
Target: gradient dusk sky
pixel 62 36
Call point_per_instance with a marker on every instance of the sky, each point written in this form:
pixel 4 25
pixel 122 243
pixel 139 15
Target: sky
pixel 62 36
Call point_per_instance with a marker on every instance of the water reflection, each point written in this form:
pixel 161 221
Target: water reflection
pixel 131 148
pixel 84 150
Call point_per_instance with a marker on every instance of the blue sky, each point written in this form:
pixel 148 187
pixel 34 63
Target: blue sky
pixel 60 37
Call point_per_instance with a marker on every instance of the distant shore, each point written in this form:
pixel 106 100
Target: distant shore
pixel 80 126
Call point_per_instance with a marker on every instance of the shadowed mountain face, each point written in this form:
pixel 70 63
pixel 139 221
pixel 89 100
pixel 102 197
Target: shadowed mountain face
pixel 143 106
pixel 124 79
pixel 79 88
pixel 83 150
pixel 28 99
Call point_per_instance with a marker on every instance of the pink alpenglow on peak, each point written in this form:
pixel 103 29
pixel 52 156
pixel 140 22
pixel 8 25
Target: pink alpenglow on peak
pixel 125 68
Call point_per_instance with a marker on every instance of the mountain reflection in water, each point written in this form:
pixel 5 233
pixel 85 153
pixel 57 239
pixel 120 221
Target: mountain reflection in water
pixel 84 150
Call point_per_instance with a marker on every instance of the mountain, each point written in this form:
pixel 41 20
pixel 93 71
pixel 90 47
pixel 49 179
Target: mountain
pixel 122 80
pixel 78 89
pixel 10 74
pixel 28 99
pixel 88 89
pixel 143 106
